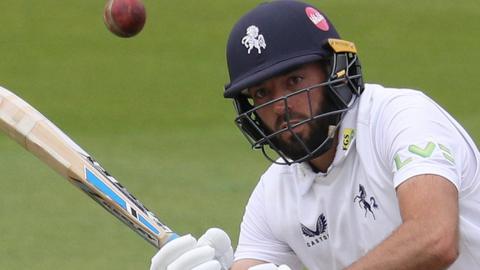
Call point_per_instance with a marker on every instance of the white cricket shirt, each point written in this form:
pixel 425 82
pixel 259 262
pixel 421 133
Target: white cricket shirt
pixel 327 221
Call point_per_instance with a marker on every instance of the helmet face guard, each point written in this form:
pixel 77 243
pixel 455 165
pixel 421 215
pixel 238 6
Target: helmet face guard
pixel 343 85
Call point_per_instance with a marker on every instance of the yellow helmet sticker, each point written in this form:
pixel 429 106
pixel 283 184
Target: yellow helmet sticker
pixel 339 45
pixel 341 73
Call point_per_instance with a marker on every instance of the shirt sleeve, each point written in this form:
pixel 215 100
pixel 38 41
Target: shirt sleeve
pixel 257 241
pixel 417 137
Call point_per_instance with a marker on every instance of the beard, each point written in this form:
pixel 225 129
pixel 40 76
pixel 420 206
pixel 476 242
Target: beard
pixel 307 144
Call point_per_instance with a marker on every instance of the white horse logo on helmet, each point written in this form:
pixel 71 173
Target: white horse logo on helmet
pixel 254 40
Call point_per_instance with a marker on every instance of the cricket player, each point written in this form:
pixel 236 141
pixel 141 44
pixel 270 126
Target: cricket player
pixel 363 176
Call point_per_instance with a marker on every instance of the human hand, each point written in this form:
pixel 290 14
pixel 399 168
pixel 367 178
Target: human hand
pixel 212 251
pixel 269 266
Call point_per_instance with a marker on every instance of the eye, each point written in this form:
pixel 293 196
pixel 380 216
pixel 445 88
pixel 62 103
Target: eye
pixel 259 93
pixel 294 80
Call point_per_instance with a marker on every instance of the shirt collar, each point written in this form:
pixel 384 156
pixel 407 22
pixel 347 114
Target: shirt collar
pixel 346 141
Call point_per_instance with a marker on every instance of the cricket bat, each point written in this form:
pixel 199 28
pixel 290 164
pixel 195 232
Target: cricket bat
pixel 38 135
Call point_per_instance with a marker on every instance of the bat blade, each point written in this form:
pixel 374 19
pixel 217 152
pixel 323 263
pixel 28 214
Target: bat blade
pixel 38 135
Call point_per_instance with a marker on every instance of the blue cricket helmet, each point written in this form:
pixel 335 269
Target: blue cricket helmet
pixel 294 33
pixel 278 36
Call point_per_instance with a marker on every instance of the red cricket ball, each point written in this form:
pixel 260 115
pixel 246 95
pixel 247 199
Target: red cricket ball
pixel 124 18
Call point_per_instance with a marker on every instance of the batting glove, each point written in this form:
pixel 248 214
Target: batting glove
pixel 269 266
pixel 212 251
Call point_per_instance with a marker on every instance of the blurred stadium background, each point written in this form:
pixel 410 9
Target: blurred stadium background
pixel 150 109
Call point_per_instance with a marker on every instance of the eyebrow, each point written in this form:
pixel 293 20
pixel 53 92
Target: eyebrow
pixel 255 87
pixel 282 74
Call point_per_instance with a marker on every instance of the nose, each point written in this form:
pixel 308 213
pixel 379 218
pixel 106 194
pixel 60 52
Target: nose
pixel 281 107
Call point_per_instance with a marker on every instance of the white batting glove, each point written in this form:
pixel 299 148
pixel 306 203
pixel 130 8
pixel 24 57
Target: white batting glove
pixel 212 251
pixel 269 266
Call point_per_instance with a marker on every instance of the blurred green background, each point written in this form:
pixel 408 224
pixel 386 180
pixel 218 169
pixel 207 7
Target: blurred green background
pixel 150 109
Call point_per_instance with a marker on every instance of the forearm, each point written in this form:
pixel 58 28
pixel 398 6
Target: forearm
pixel 245 264
pixel 428 238
pixel 410 247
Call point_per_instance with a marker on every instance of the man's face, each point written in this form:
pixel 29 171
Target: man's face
pixel 296 108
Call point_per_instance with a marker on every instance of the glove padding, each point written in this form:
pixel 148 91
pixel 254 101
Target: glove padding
pixel 212 251
pixel 269 266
